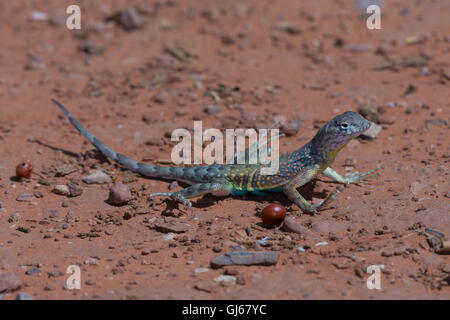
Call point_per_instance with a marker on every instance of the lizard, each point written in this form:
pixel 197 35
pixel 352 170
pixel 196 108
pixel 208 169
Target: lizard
pixel 295 168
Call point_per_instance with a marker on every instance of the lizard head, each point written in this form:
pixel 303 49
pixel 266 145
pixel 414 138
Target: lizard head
pixel 339 131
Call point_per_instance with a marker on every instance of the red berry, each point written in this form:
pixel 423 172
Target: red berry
pixel 23 170
pixel 273 214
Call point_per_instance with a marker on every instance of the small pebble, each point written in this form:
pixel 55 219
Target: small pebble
pixel 213 109
pixel 129 19
pixel 90 282
pixel 171 225
pixel 368 112
pixel 38 16
pixel 372 132
pixel 38 194
pixel 225 278
pixel 74 190
pixel 119 194
pixel 25 197
pixel 265 258
pixel 9 282
pixel 173 185
pixel 64 170
pixel 240 281
pixel 61 189
pixel 288 27
pixel 23 296
pixel 290 225
pixel 231 272
pixel 90 261
pixel 33 271
pixel 197 271
pixel 55 273
pixel 97 177
pixel 291 128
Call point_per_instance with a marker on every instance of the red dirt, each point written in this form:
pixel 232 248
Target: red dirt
pixel 129 91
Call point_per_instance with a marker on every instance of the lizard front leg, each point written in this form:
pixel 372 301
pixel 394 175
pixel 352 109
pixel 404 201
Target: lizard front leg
pixel 354 177
pixel 220 188
pixel 290 190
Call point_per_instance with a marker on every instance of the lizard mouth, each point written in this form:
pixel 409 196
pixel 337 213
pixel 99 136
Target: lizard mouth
pixel 364 128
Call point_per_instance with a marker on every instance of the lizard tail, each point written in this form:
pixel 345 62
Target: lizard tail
pixel 147 170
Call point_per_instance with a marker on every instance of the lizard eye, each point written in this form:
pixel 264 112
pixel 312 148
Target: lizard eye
pixel 344 125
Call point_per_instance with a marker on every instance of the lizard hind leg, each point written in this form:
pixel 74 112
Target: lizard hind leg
pixel 217 188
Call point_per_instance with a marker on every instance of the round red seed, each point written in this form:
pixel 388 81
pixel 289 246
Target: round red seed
pixel 23 170
pixel 273 214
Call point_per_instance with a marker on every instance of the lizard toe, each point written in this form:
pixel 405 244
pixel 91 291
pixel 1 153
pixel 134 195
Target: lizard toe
pixel 187 204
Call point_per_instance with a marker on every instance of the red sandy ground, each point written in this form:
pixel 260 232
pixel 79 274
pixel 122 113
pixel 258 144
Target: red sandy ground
pixel 309 77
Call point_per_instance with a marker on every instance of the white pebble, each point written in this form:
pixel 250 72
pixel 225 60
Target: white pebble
pixel 98 177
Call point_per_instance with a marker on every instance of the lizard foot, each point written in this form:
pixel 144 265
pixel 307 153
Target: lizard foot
pixel 356 176
pixel 179 197
pixel 175 196
pixel 315 208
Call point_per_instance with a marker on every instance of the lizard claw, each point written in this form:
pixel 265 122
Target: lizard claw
pixel 356 176
pixel 178 197
pixel 187 204
pixel 175 196
pixel 312 210
pixel 330 198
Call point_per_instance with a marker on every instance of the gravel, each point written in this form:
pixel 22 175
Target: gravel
pixel 97 177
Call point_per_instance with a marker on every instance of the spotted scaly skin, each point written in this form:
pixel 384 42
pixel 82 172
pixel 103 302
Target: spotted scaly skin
pixel 295 169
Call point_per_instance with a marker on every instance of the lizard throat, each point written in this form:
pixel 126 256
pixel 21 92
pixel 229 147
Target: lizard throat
pixel 332 154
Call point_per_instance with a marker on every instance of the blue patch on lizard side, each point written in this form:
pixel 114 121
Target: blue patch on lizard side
pixel 264 192
pixel 236 192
